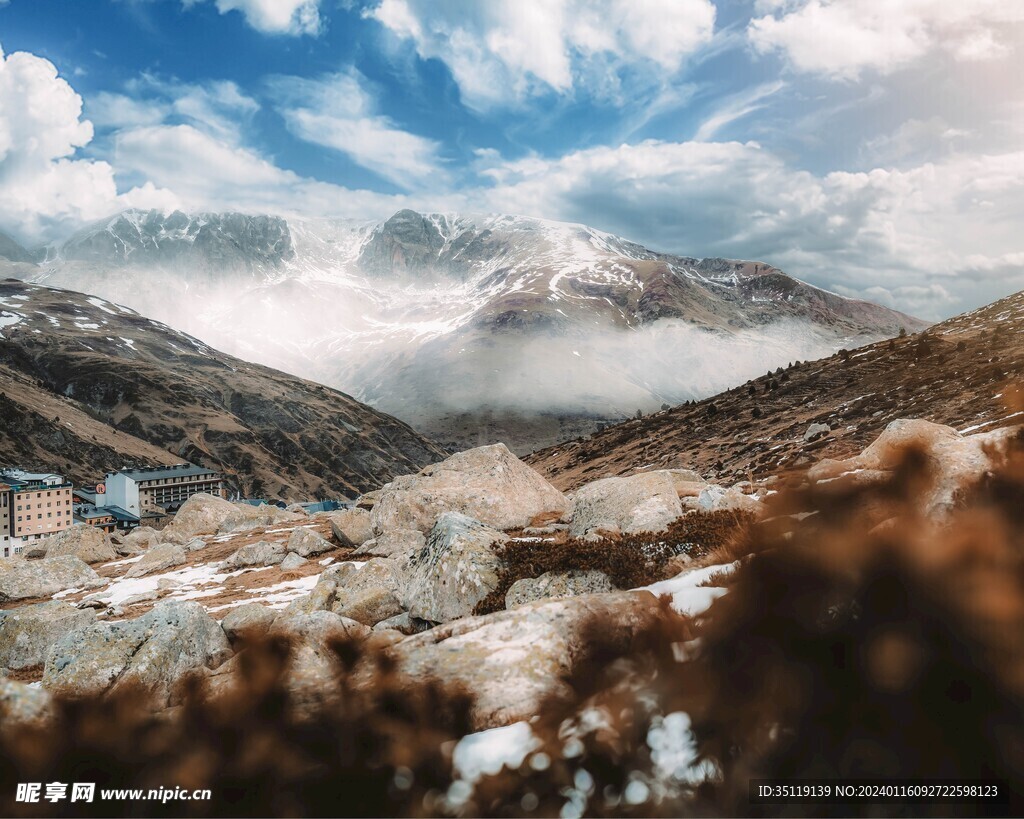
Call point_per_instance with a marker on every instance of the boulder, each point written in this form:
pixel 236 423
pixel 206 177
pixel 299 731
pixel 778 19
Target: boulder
pixel 245 517
pixel 557 585
pixel 201 514
pixel 27 633
pixel 261 553
pixel 158 559
pixel 247 621
pixel 195 544
pixel 364 592
pixel 23 704
pixel 142 536
pixel 308 543
pixel 154 651
pixel 404 624
pixel 512 661
pixel 400 545
pixel 26 579
pixel 716 498
pixel 956 460
pixel 456 569
pixel 816 431
pixel 89 543
pixel 124 549
pixel 351 527
pixel 647 502
pixel 292 561
pixel 489 484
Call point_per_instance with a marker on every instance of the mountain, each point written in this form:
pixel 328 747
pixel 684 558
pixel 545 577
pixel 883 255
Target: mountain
pixel 12 251
pixel 961 372
pixel 470 328
pixel 109 376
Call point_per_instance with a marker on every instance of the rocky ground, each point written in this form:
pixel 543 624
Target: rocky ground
pixel 955 374
pixel 407 569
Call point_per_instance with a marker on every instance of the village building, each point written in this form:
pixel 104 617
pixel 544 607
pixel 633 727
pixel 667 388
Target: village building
pixel 33 505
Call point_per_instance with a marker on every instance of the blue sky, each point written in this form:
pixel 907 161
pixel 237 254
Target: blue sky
pixel 869 146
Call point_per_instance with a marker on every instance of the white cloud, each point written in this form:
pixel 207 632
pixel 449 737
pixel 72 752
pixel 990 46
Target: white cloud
pixel 843 38
pixel 338 112
pixel 501 53
pixel 111 110
pixel 208 174
pixel 950 224
pixel 736 108
pixel 274 16
pixel 43 188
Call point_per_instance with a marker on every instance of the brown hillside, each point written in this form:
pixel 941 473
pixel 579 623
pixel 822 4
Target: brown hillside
pixel 954 373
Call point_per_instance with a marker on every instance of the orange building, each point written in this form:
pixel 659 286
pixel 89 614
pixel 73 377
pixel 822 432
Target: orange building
pixel 39 504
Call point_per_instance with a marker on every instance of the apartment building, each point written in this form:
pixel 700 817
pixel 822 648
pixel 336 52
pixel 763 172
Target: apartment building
pixel 157 489
pixel 38 504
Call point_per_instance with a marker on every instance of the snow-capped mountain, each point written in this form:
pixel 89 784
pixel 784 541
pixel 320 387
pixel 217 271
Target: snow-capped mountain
pixel 471 328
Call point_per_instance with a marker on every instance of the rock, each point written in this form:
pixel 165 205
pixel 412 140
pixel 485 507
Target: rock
pixel 26 579
pixel 195 544
pixel 154 650
pixel 351 527
pixel 400 545
pixel 22 704
pixel 142 536
pixel 261 553
pixel 489 484
pixel 201 514
pixel 511 661
pixel 248 621
pixel 89 543
pixel 292 561
pixel 141 597
pixel 167 584
pixel 158 559
pixel 816 431
pixel 956 460
pixel 245 517
pixel 541 531
pixel 308 543
pixel 557 585
pixel 364 592
pixel 368 500
pixel 124 549
pixel 404 624
pixel 647 502
pixel 455 570
pixel 714 498
pixel 27 633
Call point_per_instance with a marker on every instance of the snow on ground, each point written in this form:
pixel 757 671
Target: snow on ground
pixel 689 597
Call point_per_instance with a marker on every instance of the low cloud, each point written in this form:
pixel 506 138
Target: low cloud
pixel 294 17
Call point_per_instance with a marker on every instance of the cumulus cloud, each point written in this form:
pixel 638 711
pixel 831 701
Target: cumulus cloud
pixel 207 173
pixel 338 112
pixel 844 38
pixel 43 187
pixel 274 16
pixel 501 53
pixel 884 228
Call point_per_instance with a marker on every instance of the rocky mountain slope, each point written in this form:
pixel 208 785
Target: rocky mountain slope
pixel 470 328
pixel 12 251
pixel 957 373
pixel 84 378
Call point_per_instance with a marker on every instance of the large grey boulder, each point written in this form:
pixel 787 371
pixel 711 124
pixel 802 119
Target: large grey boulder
pixel 292 561
pixel 555 585
pixel 511 661
pixel 88 543
pixel 248 620
pixel 456 569
pixel 201 514
pixel 364 592
pixel 244 518
pixel 489 484
pixel 956 460
pixel 715 498
pixel 648 502
pixel 399 545
pixel 351 527
pixel 308 543
pixel 27 579
pixel 158 559
pixel 27 633
pixel 143 537
pixel 261 553
pixel 153 651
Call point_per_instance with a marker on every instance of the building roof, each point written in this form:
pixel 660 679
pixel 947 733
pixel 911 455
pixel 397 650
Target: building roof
pixel 87 512
pixel 19 477
pixel 156 473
